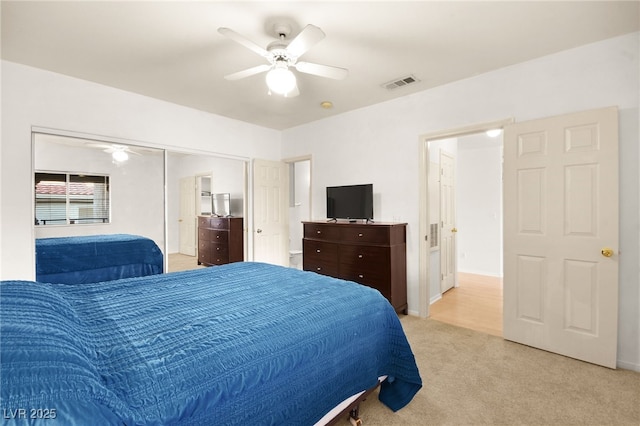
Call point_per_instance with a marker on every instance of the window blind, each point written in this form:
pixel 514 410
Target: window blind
pixel 66 198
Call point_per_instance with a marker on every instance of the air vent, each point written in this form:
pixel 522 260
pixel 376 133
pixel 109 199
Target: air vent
pixel 433 235
pixel 400 82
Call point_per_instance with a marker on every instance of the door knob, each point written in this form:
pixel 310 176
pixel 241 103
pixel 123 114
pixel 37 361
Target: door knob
pixel 259 231
pixel 454 230
pixel 607 252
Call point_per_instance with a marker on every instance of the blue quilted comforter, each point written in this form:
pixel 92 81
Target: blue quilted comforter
pixel 94 258
pixel 245 343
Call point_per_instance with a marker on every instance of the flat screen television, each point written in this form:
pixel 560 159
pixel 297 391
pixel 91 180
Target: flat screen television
pixel 350 202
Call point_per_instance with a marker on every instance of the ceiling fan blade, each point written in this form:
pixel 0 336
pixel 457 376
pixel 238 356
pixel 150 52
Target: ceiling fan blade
pixel 309 36
pixel 229 33
pixel 248 72
pixel 322 70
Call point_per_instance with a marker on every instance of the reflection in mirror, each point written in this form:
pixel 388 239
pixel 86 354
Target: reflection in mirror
pixel 191 181
pixel 221 205
pixel 204 192
pixel 136 187
pixel 112 188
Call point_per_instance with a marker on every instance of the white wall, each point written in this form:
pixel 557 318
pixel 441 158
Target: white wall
pixel 479 206
pixel 33 97
pixel 379 144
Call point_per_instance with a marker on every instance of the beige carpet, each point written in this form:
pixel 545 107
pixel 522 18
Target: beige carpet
pixel 472 378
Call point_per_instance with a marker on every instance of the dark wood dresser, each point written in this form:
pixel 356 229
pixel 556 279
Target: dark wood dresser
pixel 373 254
pixel 220 240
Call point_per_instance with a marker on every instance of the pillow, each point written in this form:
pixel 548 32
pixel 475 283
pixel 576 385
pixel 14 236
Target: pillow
pixel 47 359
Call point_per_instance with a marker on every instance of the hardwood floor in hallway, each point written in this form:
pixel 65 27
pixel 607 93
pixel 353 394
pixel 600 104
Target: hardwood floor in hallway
pixel 475 304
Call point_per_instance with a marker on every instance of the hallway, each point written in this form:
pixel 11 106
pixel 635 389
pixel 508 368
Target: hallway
pixel 475 304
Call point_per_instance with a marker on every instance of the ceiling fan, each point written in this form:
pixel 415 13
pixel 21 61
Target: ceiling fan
pixel 282 54
pixel 119 153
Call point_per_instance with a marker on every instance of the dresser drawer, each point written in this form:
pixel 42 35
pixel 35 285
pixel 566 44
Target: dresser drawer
pixel 321 231
pixel 380 280
pixel 319 251
pixel 218 236
pixel 213 222
pixel 213 236
pixel 365 234
pixel 203 221
pixel 218 223
pixel 219 257
pixel 319 266
pixel 363 256
pixel 204 246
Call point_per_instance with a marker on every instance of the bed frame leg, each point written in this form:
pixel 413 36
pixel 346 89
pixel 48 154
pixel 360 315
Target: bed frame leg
pixel 354 417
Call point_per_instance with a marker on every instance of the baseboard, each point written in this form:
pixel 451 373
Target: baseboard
pixel 435 298
pixel 628 366
pixel 485 273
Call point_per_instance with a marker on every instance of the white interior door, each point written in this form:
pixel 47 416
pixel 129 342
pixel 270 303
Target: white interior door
pixel 270 212
pixel 448 222
pixel 187 220
pixel 561 234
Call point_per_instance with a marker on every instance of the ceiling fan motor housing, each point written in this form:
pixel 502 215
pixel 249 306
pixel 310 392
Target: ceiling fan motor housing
pixel 282 30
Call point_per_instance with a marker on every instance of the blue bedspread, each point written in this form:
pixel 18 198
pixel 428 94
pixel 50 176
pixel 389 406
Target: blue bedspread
pixel 245 343
pixel 94 258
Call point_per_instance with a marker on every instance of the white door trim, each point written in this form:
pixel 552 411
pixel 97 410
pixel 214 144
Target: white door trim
pixel 423 186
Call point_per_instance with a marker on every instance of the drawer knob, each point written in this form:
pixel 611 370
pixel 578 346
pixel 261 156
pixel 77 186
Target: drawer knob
pixel 318 232
pixel 318 269
pixel 317 250
pixel 360 256
pixel 217 236
pixel 360 276
pixel 360 234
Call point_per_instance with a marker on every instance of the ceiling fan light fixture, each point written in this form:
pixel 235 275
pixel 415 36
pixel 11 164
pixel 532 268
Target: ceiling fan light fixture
pixel 281 80
pixel 119 156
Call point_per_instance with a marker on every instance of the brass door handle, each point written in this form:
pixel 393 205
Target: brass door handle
pixel 607 252
pixel 454 230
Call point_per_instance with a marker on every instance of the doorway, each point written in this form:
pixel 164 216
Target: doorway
pixel 430 230
pixel 299 207
pixel 467 187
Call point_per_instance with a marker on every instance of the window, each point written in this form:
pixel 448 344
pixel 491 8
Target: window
pixel 69 199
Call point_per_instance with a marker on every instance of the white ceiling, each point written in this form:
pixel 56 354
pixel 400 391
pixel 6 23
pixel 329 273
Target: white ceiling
pixel 171 50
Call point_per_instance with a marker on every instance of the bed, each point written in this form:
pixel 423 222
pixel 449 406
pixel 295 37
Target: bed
pixel 243 343
pixel 94 258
